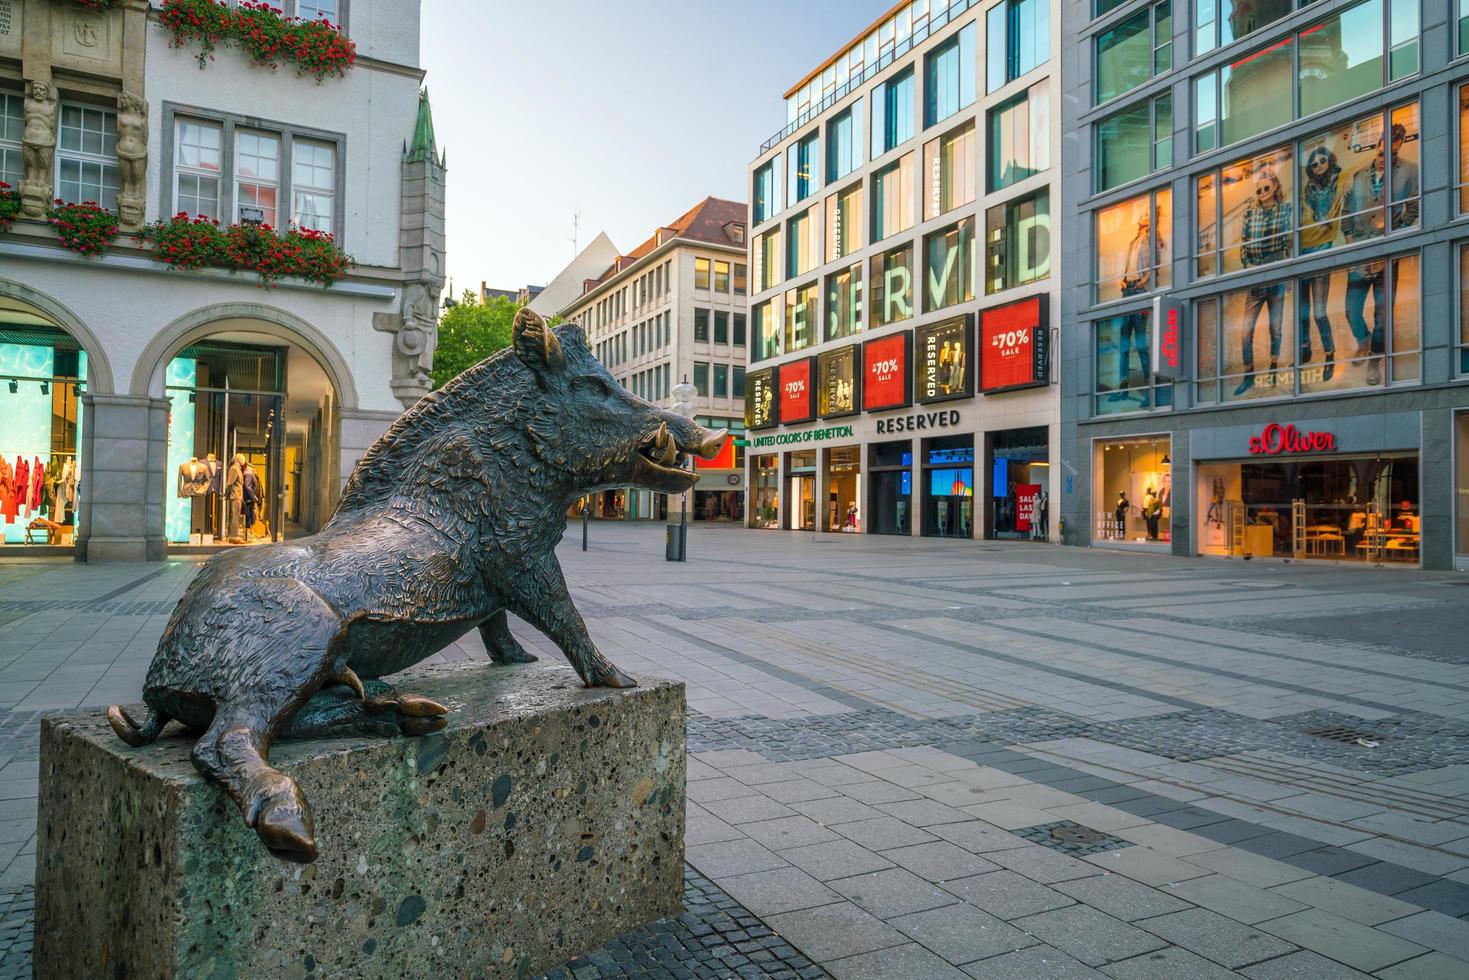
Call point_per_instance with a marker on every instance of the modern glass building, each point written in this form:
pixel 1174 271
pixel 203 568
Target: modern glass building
pixel 1266 353
pixel 904 281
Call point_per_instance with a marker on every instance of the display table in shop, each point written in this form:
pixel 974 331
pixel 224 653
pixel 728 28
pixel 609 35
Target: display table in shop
pixel 546 818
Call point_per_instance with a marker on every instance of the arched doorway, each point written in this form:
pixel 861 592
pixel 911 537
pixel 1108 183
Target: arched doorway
pixel 45 366
pixel 252 434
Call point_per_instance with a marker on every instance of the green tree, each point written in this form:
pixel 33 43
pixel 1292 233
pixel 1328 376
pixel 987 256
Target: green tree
pixel 469 332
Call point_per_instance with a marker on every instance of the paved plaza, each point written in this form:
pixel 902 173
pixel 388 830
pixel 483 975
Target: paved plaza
pixel 948 759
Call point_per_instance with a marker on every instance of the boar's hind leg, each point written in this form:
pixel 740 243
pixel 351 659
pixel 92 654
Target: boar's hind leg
pixel 540 598
pixel 503 647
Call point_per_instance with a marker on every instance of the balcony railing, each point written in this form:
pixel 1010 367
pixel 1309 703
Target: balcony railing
pixel 869 72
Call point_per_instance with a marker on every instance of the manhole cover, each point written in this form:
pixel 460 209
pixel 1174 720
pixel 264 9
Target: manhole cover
pixel 1346 736
pixel 1074 834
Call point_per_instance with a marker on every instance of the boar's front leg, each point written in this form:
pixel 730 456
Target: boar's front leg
pixel 538 595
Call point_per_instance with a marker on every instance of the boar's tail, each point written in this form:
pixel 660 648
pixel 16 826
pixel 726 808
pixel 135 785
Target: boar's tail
pixel 130 731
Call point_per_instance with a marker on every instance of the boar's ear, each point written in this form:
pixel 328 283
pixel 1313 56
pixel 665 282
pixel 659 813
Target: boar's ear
pixel 535 344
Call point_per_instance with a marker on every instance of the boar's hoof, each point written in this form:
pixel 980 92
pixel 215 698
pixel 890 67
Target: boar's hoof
pixel 609 676
pixel 283 820
pixel 423 726
pixel 418 706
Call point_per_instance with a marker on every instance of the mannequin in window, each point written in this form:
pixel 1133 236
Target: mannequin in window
pixel 212 465
pixel 1119 514
pixel 1152 510
pixel 193 479
pixel 250 487
pixel 234 499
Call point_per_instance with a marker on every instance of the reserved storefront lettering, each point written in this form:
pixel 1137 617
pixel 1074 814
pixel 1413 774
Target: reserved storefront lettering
pixel 1277 439
pixel 919 420
pixel 811 435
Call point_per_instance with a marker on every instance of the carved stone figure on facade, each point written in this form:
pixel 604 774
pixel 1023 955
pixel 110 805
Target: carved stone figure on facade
pixel 132 159
pixel 448 522
pixel 418 335
pixel 38 146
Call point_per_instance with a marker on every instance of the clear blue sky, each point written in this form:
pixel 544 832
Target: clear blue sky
pixel 630 111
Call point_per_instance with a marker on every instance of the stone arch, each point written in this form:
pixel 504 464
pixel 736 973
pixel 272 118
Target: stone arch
pixel 99 368
pixel 268 320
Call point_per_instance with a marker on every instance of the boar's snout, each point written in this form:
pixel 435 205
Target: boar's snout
pixel 663 453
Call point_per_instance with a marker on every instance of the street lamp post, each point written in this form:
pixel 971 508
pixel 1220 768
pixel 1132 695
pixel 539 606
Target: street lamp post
pixel 683 404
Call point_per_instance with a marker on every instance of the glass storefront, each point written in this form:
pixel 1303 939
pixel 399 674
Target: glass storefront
pixel 801 493
pixel 718 505
pixel 42 375
pixel 765 479
pixel 1019 462
pixel 948 487
pixel 225 444
pixel 843 489
pixel 1461 485
pixel 1340 508
pixel 1132 491
pixel 890 502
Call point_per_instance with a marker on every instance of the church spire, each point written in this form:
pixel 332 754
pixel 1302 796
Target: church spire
pixel 423 147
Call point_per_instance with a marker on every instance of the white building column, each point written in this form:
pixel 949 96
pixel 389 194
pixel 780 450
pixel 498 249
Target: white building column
pixel 356 434
pixel 120 502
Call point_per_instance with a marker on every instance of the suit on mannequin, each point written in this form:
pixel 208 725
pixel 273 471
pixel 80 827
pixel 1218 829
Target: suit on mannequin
pixel 234 498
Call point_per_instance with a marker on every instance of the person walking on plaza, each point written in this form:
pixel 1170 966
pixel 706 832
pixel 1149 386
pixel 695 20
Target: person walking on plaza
pixel 1266 237
pixel 1373 188
pixel 1322 193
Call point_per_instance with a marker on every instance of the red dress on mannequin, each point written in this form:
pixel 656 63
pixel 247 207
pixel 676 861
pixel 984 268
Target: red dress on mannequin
pixel 22 484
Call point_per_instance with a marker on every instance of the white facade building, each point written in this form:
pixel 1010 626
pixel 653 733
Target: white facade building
pixel 903 311
pixel 150 367
pixel 673 309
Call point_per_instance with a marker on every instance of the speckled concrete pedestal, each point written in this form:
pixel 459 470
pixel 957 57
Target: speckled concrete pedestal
pixel 546 819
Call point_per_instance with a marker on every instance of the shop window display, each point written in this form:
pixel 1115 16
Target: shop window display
pixel 891 286
pixel 843 489
pixel 1132 246
pixel 1349 184
pixel 844 303
pixel 1132 491
pixel 1462 184
pixel 802 490
pixel 837 379
pixel 1364 331
pixel 42 376
pixel 891 482
pixel 943 363
pixel 1019 462
pixel 1124 367
pixel 1463 358
pixel 1343 509
pixel 226 439
pixel 948 485
pixel 765 509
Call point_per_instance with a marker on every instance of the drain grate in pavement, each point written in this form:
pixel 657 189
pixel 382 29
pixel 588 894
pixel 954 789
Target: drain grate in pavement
pixel 1071 838
pixel 1346 736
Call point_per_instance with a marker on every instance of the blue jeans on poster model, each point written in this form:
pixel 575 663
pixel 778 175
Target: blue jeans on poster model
pixel 1272 299
pixel 1361 280
pixel 1315 304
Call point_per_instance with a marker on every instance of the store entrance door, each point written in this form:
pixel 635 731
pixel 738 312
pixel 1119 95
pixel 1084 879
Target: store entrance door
pixel 802 496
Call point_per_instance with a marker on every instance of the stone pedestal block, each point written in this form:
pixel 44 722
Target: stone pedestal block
pixel 544 820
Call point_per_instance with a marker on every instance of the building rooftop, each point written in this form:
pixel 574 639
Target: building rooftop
pixel 713 220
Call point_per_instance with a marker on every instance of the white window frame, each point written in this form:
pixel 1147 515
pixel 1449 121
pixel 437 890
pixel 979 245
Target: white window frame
pixel 239 180
pixel 181 170
pixel 300 190
pixel 10 146
pixel 84 157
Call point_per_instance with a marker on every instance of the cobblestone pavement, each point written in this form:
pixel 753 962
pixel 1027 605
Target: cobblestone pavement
pixel 1255 769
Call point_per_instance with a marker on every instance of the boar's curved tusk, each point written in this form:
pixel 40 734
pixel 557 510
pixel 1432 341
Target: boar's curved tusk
pixel 712 444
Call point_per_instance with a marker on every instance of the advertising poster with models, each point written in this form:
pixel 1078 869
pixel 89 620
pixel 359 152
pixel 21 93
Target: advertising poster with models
pixel 837 370
pixel 797 394
pixel 1013 345
pixel 945 370
pixel 760 399
pixel 886 381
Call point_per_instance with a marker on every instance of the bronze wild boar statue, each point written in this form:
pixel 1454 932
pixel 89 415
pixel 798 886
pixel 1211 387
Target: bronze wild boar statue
pixel 448 521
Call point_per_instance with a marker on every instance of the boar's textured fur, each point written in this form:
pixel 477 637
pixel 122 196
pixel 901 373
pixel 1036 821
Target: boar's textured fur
pixel 450 520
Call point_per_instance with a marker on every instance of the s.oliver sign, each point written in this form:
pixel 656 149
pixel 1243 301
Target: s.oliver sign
pixel 1275 439
pixel 1167 338
pixel 797 393
pixel 1014 345
pixel 886 380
